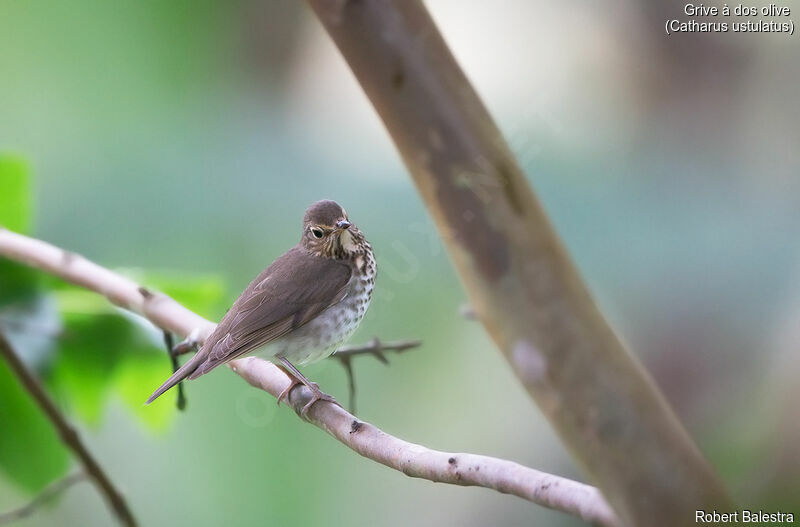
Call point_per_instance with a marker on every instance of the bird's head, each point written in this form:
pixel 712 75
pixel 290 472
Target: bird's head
pixel 328 232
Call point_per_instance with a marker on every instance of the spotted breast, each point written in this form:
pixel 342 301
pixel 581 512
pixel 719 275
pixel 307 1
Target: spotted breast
pixel 320 337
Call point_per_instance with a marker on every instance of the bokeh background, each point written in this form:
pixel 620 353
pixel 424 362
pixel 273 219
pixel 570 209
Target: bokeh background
pixel 183 140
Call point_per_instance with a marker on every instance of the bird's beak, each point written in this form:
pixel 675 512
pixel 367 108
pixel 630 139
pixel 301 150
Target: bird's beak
pixel 343 225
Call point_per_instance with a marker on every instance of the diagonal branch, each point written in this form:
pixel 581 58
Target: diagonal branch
pixel 414 460
pixel 68 435
pixel 518 276
pixel 49 492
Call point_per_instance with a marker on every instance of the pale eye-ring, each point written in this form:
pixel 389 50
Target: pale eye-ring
pixel 317 233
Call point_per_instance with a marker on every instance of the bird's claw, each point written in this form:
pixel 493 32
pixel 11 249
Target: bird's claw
pixel 298 378
pixel 318 395
pixel 284 395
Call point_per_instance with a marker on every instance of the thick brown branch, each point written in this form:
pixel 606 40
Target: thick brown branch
pixel 414 460
pixel 68 435
pixel 520 280
pixel 49 492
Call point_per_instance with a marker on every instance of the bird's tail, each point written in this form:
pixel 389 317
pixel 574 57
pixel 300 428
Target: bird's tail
pixel 182 372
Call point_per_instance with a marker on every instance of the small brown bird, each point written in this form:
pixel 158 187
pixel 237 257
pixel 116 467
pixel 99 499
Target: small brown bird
pixel 301 308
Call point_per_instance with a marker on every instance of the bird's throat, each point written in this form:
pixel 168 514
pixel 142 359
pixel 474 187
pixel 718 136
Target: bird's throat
pixel 348 244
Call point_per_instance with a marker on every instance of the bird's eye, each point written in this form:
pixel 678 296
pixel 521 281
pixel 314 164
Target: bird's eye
pixel 317 233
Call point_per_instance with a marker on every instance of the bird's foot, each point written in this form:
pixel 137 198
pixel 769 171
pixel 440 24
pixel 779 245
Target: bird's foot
pixel 284 395
pixel 298 378
pixel 318 395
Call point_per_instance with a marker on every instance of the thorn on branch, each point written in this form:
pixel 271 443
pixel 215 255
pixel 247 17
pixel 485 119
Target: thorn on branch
pixel 374 347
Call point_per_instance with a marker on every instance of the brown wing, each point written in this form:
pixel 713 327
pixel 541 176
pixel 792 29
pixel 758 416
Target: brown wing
pixel 290 292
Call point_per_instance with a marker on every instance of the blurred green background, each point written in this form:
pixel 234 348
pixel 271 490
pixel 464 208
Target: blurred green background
pixel 182 141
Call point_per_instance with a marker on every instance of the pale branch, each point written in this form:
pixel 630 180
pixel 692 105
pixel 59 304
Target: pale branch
pixel 49 492
pixel 68 435
pixel 414 460
pixel 374 347
pixel 417 461
pixel 344 355
pixel 518 276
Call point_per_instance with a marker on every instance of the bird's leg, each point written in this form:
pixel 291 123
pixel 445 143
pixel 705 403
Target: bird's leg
pixel 284 395
pixel 299 378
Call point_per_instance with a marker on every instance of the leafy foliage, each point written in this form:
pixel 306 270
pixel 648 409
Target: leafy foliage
pixel 136 377
pixel 14 200
pixel 31 454
pixel 88 354
pixel 103 354
pixel 100 354
pixel 201 293
pixel 17 282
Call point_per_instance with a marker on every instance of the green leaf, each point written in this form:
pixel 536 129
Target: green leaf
pixel 31 453
pixel 103 353
pixel 74 300
pixel 137 377
pixel 202 293
pixel 88 353
pixel 17 282
pixel 15 199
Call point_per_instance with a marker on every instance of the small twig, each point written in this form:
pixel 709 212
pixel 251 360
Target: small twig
pixel 49 492
pixel 173 357
pixel 68 435
pixel 351 383
pixel 375 348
